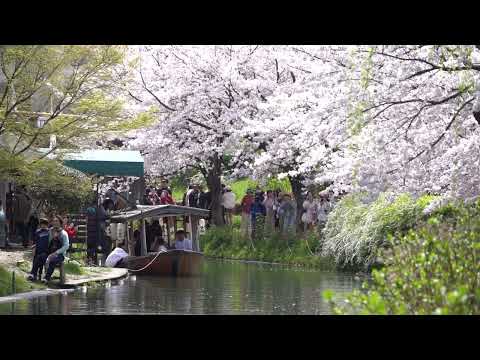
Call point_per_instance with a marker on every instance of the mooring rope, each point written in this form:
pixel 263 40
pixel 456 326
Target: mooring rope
pixel 150 263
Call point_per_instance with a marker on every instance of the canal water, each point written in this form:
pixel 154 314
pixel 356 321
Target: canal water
pixel 226 287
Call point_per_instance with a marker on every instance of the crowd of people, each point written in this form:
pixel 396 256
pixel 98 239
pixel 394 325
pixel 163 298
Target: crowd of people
pixel 262 212
pixel 275 211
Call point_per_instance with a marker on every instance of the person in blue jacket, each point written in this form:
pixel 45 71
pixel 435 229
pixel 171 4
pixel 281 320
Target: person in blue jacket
pixel 41 246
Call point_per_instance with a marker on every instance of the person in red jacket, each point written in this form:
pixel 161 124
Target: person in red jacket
pixel 166 198
pixel 69 227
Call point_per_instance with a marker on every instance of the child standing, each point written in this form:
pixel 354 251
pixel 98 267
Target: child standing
pixel 41 246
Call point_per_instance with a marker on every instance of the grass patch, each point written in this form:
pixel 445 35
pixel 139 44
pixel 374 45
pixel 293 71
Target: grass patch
pixel 73 267
pixel 21 285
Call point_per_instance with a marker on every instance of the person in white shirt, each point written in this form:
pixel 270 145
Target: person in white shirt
pixel 117 257
pixel 228 202
pixel 181 243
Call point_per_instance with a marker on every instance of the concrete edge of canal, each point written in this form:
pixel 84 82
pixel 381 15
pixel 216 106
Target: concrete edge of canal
pixel 69 286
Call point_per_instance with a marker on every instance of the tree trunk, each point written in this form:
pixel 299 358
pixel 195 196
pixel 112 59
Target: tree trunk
pixel 214 183
pixel 297 189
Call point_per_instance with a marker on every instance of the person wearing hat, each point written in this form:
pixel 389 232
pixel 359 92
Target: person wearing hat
pixel 228 202
pixel 40 246
pixel 246 225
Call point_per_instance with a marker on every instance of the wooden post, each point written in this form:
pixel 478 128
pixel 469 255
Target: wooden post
pixel 129 238
pixel 143 238
pixel 194 234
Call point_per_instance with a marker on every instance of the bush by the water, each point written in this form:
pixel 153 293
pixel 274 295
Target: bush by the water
pixel 433 269
pixel 227 242
pixel 356 229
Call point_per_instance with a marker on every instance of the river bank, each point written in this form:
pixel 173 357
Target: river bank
pixel 302 251
pixel 16 263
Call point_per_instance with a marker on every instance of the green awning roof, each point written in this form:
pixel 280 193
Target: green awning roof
pixel 106 162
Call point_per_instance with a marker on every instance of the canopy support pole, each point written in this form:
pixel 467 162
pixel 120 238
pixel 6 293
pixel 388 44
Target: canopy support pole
pixel 131 247
pixel 143 238
pixel 194 227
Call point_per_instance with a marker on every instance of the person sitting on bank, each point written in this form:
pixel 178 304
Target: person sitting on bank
pixel 59 245
pixel 41 242
pixel 181 243
pixel 118 257
pixel 159 245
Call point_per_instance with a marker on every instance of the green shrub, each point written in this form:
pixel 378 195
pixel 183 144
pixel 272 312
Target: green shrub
pixel 433 269
pixel 355 230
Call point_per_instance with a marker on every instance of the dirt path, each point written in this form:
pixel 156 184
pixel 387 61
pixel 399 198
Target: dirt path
pixel 10 258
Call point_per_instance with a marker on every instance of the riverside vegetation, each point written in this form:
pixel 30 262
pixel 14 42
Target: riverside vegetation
pixel 432 269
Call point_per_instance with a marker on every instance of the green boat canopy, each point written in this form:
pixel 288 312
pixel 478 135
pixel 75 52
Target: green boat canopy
pixel 106 162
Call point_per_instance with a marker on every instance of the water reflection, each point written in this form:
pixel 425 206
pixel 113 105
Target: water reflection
pixel 224 288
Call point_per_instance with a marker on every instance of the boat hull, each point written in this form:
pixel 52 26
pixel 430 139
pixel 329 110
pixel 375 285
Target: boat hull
pixel 169 263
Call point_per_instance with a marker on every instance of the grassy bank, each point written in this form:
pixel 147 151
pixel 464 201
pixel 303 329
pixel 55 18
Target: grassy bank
pixel 226 242
pixel 22 268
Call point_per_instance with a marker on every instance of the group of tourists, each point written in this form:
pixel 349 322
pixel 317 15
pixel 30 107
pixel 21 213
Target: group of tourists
pixel 159 196
pixel 275 211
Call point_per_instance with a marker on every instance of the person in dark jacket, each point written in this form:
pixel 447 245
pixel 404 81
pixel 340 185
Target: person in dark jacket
pixel 258 213
pixel 193 197
pixel 91 233
pixel 164 186
pixel 41 245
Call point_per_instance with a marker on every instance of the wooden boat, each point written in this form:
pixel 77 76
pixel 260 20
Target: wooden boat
pixel 169 263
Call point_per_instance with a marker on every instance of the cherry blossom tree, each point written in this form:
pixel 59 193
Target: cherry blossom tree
pixel 415 120
pixel 200 96
pixel 299 120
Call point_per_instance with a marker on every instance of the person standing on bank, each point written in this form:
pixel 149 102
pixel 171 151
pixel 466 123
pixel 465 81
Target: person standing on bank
pixel 3 226
pixel 41 242
pixel 246 225
pixel 59 245
pixel 309 215
pixel 228 202
pixel 269 204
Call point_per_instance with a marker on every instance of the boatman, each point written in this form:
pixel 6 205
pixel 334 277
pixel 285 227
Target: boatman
pixel 181 243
